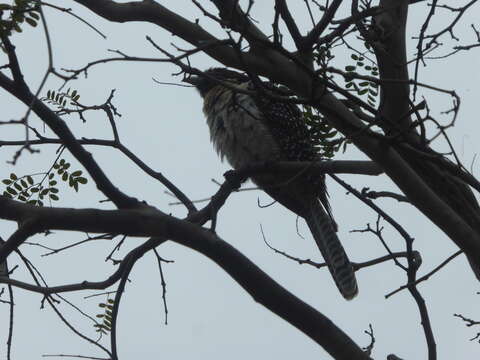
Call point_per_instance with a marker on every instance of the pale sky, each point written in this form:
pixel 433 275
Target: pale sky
pixel 210 316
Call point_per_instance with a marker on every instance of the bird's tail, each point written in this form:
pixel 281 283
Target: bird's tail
pixel 322 228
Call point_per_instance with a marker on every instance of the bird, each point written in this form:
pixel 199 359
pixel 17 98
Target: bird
pixel 246 127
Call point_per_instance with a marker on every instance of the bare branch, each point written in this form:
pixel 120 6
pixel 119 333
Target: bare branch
pixel 326 19
pixel 19 89
pixel 426 276
pixel 282 8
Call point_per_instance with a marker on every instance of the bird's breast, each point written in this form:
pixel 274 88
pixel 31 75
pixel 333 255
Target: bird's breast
pixel 237 128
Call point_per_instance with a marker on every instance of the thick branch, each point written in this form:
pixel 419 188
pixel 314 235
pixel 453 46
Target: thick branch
pixel 233 15
pixel 153 12
pixel 275 65
pixel 392 62
pixel 150 222
pixel 320 167
pixel 402 174
pixel 279 300
pixel 282 8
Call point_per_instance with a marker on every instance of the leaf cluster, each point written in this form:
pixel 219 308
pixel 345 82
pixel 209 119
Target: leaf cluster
pixel 61 99
pixel 19 12
pixel 326 139
pixel 106 326
pixel 74 178
pixel 24 188
pixel 21 188
pixel 364 87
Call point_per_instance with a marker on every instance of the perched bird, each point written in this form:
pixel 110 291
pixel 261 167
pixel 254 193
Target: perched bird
pixel 254 128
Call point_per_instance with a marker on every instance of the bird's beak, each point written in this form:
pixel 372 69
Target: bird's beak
pixel 193 80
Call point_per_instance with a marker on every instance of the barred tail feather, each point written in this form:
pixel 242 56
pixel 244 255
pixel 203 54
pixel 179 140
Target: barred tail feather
pixel 332 250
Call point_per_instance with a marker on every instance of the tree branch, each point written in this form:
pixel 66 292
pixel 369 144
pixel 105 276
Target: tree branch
pixel 151 222
pixel 315 33
pixel 282 8
pixel 20 90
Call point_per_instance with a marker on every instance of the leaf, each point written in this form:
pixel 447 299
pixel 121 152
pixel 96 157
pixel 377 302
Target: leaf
pixel 21 198
pixel 77 173
pixel 34 189
pixel 31 21
pixel 65 176
pixel 54 190
pixel 13 176
pixel 24 183
pixel 52 183
pixel 350 68
pixel 54 197
pixel 6 181
pixel 30 180
pixel 11 191
pixel 34 15
pixel 44 192
pixel 330 135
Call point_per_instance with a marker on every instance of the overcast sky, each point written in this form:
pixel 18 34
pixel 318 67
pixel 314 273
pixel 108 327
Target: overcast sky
pixel 210 316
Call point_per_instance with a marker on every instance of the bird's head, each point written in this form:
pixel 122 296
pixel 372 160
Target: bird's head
pixel 207 82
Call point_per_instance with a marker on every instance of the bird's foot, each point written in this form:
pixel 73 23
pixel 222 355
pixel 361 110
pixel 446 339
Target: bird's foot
pixel 234 178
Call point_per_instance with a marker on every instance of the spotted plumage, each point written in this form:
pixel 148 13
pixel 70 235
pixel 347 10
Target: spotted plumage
pixel 248 129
